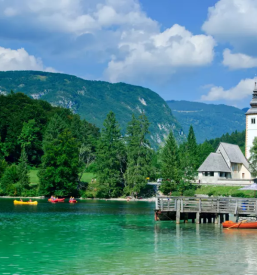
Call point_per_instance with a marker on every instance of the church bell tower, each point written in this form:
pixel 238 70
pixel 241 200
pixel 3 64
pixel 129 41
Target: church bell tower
pixel 251 124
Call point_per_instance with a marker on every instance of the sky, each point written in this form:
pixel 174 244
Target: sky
pixel 197 50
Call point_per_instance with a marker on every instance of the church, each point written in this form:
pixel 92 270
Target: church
pixel 228 165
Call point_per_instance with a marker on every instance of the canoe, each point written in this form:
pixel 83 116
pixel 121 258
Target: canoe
pixel 25 202
pixel 240 225
pixel 57 200
pixel 73 201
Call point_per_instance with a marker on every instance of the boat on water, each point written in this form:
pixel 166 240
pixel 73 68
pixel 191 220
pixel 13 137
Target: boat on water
pixel 57 200
pixel 240 225
pixel 72 201
pixel 25 202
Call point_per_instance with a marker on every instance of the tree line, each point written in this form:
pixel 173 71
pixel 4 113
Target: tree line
pixel 63 147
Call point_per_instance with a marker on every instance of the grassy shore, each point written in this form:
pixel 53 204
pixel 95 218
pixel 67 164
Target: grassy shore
pixel 223 191
pixel 87 177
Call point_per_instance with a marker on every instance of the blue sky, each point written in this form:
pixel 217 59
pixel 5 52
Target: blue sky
pixel 184 50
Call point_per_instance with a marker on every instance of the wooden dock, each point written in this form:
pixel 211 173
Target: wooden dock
pixel 202 210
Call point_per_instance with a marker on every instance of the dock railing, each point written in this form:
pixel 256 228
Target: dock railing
pixel 218 205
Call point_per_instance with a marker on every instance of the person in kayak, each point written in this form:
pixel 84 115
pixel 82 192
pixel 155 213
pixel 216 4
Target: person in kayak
pixel 21 199
pixel 30 200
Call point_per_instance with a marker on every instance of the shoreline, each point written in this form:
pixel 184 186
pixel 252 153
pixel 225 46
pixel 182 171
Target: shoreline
pixel 152 199
pixel 111 199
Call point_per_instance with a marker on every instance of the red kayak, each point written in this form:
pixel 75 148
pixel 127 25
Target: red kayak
pixel 240 225
pixel 56 200
pixel 72 201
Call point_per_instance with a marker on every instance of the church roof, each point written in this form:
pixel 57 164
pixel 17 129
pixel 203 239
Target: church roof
pixel 235 154
pixel 214 163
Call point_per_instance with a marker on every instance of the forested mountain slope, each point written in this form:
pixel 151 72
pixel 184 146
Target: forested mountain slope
pixel 209 120
pixel 93 100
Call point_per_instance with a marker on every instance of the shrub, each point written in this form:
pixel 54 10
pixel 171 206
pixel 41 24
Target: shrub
pixel 175 194
pixel 189 193
pixel 211 193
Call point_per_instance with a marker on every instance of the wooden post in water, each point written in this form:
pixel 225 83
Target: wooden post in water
pixel 209 219
pixel 204 220
pixel 198 217
pixel 186 218
pixel 221 218
pixel 178 211
pixel 227 217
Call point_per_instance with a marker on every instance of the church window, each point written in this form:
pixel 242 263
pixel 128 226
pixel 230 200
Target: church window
pixel 253 120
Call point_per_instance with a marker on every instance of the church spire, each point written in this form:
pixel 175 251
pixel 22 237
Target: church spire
pixel 253 103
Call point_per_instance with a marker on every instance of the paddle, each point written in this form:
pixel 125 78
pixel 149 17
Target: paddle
pixel 236 224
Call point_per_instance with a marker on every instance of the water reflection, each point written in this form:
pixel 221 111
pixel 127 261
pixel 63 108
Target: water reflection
pixel 98 237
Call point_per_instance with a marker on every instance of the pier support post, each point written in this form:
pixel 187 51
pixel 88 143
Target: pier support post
pixel 198 217
pixel 221 218
pixel 227 217
pixel 204 220
pixel 209 219
pixel 178 212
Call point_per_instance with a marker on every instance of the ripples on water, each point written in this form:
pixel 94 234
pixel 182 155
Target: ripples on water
pixel 99 237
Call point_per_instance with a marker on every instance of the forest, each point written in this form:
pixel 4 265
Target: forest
pixel 62 147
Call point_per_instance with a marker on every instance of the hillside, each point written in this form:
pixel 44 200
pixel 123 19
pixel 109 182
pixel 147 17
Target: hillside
pixel 209 121
pixel 92 100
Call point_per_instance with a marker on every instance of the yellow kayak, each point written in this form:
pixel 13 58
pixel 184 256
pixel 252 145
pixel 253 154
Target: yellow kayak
pixel 25 202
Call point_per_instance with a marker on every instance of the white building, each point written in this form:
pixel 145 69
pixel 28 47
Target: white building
pixel 227 165
pixel 251 124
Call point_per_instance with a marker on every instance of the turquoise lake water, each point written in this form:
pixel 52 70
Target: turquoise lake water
pixel 107 237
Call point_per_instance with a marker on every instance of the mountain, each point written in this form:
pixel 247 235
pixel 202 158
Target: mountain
pixel 245 109
pixel 93 100
pixel 209 120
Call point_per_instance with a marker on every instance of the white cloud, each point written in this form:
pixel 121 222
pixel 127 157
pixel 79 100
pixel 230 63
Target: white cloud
pixel 232 18
pixel 243 89
pixel 238 60
pixel 233 21
pixel 160 54
pixel 117 32
pixel 20 60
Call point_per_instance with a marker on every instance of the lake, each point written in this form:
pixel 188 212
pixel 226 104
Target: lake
pixel 113 237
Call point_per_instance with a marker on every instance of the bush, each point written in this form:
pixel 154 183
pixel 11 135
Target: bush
pixel 189 193
pixel 175 194
pixel 167 187
pixel 211 193
pixel 240 195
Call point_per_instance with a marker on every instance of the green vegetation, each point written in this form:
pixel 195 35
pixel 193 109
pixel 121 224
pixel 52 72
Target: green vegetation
pixel 93 100
pixel 48 150
pixel 233 138
pixel 209 120
pixel 223 191
pixel 253 158
pixel 179 165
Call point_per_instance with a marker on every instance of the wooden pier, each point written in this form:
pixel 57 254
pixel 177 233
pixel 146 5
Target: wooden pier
pixel 203 210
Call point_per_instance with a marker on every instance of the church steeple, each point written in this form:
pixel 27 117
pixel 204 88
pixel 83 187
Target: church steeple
pixel 253 103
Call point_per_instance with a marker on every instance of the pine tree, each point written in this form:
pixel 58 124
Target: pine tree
pixel 59 172
pixel 192 149
pixel 55 127
pixel 111 157
pixel 23 170
pixel 253 158
pixel 139 154
pixel 204 150
pixel 171 171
